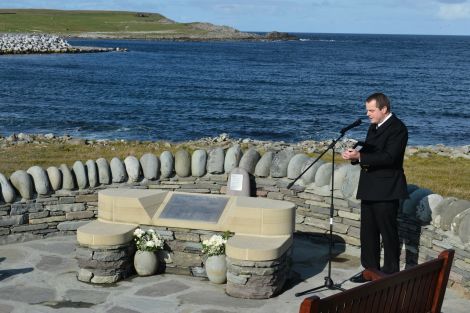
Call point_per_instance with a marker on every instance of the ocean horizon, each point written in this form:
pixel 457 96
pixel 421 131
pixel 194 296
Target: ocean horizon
pixel 287 90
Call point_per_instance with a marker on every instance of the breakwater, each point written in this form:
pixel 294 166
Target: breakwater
pixel 42 43
pixel 39 202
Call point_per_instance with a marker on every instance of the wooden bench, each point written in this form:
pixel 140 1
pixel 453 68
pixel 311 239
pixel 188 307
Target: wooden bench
pixel 415 290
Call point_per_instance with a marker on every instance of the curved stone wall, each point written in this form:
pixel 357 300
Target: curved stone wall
pixel 38 202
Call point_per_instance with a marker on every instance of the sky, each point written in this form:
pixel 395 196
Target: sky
pixel 431 17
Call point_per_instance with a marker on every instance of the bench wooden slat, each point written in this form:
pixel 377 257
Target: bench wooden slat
pixel 415 290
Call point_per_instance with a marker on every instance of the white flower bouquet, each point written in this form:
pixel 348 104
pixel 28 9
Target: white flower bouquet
pixel 148 240
pixel 214 246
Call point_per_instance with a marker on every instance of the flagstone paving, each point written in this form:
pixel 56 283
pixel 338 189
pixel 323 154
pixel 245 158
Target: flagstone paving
pixel 40 276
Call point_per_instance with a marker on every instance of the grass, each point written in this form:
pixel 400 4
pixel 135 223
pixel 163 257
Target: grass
pixel 69 23
pixel 445 176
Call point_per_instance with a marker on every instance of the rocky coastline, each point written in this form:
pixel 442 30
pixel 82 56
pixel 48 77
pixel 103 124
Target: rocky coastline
pixel 43 43
pixel 224 140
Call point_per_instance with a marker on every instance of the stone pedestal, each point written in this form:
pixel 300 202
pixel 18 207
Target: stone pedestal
pixel 257 280
pixel 105 265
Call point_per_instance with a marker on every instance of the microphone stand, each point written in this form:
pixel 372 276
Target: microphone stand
pixel 328 284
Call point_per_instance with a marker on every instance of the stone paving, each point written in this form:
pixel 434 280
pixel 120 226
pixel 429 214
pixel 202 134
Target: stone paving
pixel 40 276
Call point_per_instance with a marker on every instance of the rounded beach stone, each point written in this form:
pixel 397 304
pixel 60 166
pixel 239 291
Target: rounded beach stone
pixel 198 163
pixel 457 221
pixel 263 167
pixel 323 175
pixel 167 163
pixel 280 162
pixel 464 228
pixel 351 181
pixel 104 172
pixel 118 171
pixel 410 205
pixel 40 180
pixel 132 168
pixel 182 163
pixel 340 176
pixel 23 183
pixel 426 206
pixel 449 213
pixel 309 176
pixel 215 161
pixel 68 182
pixel 8 192
pixel 232 158
pixel 80 174
pixel 92 173
pixel 436 214
pixel 249 160
pixel 294 168
pixel 55 177
pixel 150 166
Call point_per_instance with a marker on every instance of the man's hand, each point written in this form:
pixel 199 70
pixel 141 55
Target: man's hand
pixel 351 154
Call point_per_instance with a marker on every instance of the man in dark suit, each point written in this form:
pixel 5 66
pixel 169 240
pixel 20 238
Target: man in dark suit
pixel 381 184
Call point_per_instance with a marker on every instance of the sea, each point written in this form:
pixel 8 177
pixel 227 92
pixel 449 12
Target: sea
pixel 280 91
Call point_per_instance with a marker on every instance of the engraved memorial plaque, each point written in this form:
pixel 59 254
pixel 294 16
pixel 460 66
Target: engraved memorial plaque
pixel 236 182
pixel 194 208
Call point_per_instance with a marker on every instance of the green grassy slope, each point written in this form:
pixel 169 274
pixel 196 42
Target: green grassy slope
pixel 76 22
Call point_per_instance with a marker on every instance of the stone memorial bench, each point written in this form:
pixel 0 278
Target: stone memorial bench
pixel 257 253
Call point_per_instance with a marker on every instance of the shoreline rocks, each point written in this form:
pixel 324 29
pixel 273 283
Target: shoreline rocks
pixel 43 43
pixel 225 141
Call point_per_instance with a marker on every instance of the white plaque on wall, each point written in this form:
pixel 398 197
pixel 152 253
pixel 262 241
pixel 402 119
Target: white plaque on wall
pixel 236 182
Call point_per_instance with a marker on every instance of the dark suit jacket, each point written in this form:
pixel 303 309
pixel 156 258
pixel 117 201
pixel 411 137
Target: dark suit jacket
pixel 382 177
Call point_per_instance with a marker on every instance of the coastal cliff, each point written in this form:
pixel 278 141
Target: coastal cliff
pixel 120 25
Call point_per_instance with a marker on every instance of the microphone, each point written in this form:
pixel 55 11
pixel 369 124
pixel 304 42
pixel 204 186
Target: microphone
pixel 355 124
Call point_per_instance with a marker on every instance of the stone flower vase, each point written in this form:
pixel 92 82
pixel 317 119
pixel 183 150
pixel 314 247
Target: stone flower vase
pixel 216 269
pixel 145 263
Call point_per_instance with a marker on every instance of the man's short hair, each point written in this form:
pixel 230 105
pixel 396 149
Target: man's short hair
pixel 381 100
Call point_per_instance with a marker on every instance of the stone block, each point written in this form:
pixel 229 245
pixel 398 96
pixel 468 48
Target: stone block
pixel 68 180
pixel 21 208
pixel 40 180
pixel 92 173
pixel 185 259
pixel 249 160
pixel 80 174
pixel 42 214
pixel 12 220
pixel 28 228
pixel 132 168
pixel 118 171
pixel 348 215
pixel 86 198
pixel 215 161
pixel 150 166
pixel 167 164
pixel 186 236
pixel 198 163
pixel 275 195
pixel 295 165
pixel 23 184
pixel 232 158
pixel 79 215
pixel 182 163
pixel 84 275
pixel 71 226
pixel 7 190
pixel 309 176
pixel 280 162
pixel 50 219
pixel 323 175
